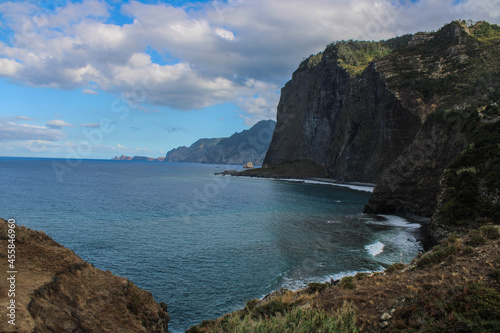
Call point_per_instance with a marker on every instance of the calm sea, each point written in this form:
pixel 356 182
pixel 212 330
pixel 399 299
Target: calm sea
pixel 201 243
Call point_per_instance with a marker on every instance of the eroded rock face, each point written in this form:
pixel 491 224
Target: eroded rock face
pixel 411 184
pixel 56 291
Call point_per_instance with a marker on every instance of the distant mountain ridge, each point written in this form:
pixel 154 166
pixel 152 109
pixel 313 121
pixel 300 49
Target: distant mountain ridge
pixel 240 148
pixel 137 158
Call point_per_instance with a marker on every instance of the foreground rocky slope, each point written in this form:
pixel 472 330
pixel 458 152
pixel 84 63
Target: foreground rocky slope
pixel 56 291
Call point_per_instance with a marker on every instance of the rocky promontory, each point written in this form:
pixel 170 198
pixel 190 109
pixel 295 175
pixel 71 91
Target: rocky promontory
pixel 57 291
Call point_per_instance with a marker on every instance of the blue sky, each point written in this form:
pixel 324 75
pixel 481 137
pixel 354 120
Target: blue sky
pixel 95 79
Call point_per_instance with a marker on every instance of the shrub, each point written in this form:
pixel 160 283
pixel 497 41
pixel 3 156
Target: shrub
pixel 316 287
pixel 490 232
pixel 495 274
pixel 395 267
pixel 348 282
pixel 476 238
pixel 438 255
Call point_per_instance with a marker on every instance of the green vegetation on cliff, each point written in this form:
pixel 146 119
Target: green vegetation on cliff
pixel 355 56
pixel 471 184
pixel 452 68
pixel 485 31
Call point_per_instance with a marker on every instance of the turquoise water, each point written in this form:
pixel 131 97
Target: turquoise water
pixel 201 243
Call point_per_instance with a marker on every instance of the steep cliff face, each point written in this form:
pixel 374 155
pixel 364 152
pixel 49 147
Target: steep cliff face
pixel 395 113
pixel 412 183
pixel 56 291
pixel 240 148
pixel 354 126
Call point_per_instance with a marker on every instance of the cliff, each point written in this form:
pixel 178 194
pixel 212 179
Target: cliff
pixel 240 148
pixel 352 125
pixel 56 291
pixel 395 113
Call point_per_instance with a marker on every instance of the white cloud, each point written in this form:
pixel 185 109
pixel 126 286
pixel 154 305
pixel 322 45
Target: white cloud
pixel 90 92
pixel 220 45
pixel 11 131
pixel 223 33
pixel 58 124
pixel 30 145
pixel 9 67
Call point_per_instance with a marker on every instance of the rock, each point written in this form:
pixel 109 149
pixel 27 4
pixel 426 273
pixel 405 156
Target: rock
pixel 249 165
pixel 386 316
pixel 228 173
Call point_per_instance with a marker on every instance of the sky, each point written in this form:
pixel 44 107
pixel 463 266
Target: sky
pixel 96 79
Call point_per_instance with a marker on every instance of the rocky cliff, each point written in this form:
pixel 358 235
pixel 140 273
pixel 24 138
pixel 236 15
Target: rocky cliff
pixel 56 291
pixel 394 112
pixel 352 125
pixel 240 148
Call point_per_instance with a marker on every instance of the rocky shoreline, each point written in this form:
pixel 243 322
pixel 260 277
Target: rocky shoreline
pixel 453 286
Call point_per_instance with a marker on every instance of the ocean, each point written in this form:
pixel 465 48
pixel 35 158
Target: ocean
pixel 202 243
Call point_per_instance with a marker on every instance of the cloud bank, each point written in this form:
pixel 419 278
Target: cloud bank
pixel 201 54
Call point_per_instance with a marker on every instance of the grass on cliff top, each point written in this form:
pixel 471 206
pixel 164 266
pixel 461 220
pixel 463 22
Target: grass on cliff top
pixel 485 31
pixel 278 317
pixel 355 56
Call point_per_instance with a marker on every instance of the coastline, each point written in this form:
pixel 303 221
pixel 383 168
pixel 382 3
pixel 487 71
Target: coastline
pixel 446 287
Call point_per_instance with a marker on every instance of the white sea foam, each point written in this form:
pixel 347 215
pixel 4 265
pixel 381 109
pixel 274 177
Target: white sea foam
pixel 398 222
pixel 319 182
pixel 375 248
pixel 297 284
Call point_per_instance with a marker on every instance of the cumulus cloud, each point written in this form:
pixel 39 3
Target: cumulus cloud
pixel 220 46
pixel 58 124
pixel 11 131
